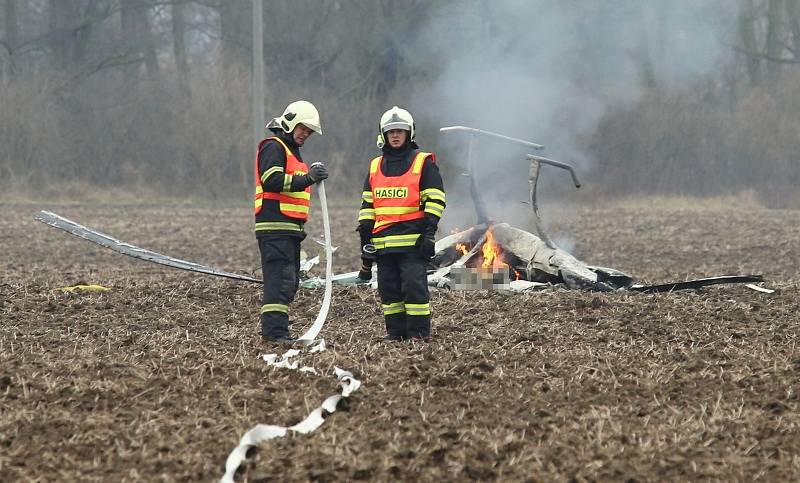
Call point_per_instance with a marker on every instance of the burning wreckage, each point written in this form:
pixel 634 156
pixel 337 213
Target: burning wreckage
pixel 489 255
pixel 496 255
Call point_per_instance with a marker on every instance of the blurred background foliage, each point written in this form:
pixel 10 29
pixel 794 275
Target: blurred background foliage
pixel 154 98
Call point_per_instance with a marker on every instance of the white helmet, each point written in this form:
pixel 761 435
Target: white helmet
pixel 298 112
pixel 395 118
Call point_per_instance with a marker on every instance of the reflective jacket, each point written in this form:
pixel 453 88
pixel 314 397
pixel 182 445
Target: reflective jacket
pixel 396 207
pixel 288 208
pixel 396 198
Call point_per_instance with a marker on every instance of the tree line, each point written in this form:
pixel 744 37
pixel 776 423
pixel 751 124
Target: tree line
pixel 156 95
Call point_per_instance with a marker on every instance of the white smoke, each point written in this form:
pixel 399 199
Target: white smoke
pixel 547 71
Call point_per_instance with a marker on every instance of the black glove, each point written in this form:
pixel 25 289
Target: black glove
pixel 317 172
pixel 426 245
pixel 365 273
pixel 368 257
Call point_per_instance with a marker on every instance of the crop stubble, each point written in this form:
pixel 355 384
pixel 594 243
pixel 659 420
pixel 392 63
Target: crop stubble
pixel 159 377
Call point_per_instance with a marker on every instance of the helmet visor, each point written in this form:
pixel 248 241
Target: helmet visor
pixel 397 125
pixel 313 126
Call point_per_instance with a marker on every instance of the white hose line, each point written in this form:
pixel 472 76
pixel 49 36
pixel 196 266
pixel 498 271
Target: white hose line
pixel 264 432
pixel 315 328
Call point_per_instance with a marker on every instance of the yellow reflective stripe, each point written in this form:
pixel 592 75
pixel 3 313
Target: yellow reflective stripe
pixel 287 182
pixel 419 160
pixel 393 308
pixel 259 201
pixel 278 226
pixel 270 171
pixel 300 195
pixel 366 196
pixel 366 214
pixel 373 167
pixel 382 223
pixel 432 194
pixel 418 309
pixel 434 209
pixel 291 207
pixel 396 210
pixel 395 241
pixel 285 147
pixel 437 204
pixel 275 308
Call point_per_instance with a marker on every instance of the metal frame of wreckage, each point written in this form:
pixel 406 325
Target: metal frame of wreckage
pixel 536 162
pixel 533 175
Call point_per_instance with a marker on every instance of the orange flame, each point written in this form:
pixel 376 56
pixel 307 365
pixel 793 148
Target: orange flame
pixel 492 254
pixel 461 248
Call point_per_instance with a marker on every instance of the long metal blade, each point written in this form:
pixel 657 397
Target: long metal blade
pixel 700 282
pixel 107 241
pixel 492 134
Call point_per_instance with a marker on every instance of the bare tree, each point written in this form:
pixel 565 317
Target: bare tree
pixel 136 31
pixel 235 29
pixel 793 14
pixel 9 40
pixel 747 33
pixel 62 16
pixel 774 45
pixel 179 48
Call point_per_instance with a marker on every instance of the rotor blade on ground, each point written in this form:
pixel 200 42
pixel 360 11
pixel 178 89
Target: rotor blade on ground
pixel 57 221
pixel 700 282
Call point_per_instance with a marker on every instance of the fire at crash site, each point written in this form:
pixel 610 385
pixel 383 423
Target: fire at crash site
pixel 399 240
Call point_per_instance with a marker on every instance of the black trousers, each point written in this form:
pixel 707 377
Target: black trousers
pixel 280 268
pixel 403 288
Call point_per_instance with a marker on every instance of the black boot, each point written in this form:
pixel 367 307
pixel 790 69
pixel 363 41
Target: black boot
pixel 281 339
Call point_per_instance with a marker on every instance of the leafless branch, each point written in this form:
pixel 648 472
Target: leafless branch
pixel 761 55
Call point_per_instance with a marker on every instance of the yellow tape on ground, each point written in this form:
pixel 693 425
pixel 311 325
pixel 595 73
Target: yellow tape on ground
pixel 84 288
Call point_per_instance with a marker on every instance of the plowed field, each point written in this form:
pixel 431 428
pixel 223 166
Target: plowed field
pixel 158 378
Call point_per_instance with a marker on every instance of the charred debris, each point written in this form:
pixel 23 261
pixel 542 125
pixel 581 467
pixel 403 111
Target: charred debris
pixel 496 255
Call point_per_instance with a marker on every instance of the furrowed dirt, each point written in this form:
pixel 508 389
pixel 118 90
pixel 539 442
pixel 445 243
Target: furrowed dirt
pixel 158 378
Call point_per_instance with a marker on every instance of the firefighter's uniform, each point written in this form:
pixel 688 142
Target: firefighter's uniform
pixel 402 201
pixel 283 195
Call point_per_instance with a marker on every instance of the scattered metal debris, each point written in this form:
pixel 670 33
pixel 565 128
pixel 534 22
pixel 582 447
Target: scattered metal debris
pixel 118 246
pixel 493 255
pixel 759 289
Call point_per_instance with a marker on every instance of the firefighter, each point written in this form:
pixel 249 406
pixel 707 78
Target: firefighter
pixel 283 193
pixel 402 202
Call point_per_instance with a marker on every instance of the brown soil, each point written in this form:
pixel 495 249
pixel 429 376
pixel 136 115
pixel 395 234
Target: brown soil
pixel 158 378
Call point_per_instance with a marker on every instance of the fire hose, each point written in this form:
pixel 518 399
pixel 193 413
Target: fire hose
pixel 313 331
pixel 349 384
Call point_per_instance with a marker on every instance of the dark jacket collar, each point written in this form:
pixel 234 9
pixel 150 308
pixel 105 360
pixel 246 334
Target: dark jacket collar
pixel 397 154
pixel 286 138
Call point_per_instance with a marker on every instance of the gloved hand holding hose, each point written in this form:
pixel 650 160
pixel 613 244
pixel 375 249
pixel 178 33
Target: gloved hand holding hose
pixel 317 172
